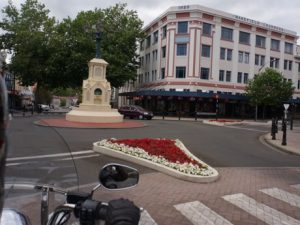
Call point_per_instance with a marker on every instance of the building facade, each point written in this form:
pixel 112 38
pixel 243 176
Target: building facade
pixel 199 59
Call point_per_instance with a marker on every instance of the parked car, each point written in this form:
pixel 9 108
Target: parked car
pixel 43 107
pixel 134 111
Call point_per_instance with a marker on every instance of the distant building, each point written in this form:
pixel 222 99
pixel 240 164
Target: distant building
pixel 196 59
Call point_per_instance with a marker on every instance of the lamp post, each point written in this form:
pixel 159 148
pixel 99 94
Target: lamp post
pixel 97 30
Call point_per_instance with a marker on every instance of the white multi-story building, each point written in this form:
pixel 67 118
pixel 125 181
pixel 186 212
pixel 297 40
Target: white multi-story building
pixel 194 57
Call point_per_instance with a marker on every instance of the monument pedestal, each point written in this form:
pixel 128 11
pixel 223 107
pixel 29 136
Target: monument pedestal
pixel 96 92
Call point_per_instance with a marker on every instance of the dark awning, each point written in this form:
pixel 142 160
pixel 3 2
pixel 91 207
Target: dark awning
pixel 184 94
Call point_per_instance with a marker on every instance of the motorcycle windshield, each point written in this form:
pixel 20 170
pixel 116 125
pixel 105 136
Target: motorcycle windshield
pixel 37 155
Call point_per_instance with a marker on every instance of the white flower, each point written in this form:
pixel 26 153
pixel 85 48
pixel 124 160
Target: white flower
pixel 187 168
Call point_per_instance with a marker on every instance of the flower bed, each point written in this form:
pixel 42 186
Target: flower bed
pixel 226 121
pixel 166 152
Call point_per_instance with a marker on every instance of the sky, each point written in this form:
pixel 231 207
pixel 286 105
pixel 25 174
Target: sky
pixel 280 13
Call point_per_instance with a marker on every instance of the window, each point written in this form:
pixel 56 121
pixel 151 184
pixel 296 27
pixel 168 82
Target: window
pixel 298 84
pixel 182 27
pixel 142 61
pixel 229 54
pixel 148 41
pixel 181 49
pixel 288 48
pixel 222 53
pixel 244 38
pixel 180 72
pixel 164 32
pixel 206 29
pixel 147 58
pixel 163 52
pixel 241 54
pixel 142 45
pixel 226 52
pixel 162 73
pixel 227 34
pixel 262 60
pixel 256 61
pixel 298 67
pixel 155 37
pixel 239 77
pixel 274 62
pixel 245 78
pixel 288 65
pixel 221 75
pixel 275 45
pixel 204 73
pixel 260 41
pixel 154 55
pixel 205 50
pixel 228 76
pixel 285 64
pixel 244 57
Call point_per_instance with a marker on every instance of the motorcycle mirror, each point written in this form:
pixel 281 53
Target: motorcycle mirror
pixel 117 176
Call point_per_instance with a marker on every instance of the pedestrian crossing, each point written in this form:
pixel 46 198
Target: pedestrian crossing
pixel 198 213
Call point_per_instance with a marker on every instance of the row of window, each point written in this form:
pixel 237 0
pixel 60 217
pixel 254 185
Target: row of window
pixel 226 34
pixel 224 76
pixel 225 54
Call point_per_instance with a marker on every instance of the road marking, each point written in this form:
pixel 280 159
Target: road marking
pixel 197 213
pixel 250 129
pixel 146 219
pixel 49 156
pixel 259 210
pixel 291 199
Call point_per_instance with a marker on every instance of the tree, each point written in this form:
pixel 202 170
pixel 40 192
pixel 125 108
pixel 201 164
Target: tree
pixel 269 89
pixel 26 34
pixel 55 54
pixel 74 47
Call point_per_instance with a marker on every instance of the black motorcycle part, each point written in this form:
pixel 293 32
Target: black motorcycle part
pixel 75 197
pixel 122 212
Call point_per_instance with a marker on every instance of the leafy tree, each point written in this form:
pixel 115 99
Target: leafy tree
pixel 55 54
pixel 269 89
pixel 74 46
pixel 27 33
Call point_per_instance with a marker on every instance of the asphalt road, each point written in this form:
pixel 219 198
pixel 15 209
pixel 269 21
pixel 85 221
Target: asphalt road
pixel 233 146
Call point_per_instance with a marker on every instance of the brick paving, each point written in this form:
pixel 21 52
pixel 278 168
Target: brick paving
pixel 159 193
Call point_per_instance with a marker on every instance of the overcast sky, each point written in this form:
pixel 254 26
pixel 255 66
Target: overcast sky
pixel 284 14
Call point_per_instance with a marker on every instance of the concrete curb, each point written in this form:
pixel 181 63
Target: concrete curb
pixel 277 144
pixel 161 168
pixel 217 123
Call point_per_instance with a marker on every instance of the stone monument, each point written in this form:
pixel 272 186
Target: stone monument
pixel 96 92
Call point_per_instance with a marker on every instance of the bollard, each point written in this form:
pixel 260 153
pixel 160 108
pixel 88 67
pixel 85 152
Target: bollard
pixel 273 129
pixel 284 132
pixel 291 122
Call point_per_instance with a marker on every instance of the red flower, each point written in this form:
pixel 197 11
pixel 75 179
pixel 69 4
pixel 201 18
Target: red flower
pixel 159 147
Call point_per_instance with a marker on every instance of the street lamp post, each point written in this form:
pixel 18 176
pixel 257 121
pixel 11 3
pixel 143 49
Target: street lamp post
pixel 98 31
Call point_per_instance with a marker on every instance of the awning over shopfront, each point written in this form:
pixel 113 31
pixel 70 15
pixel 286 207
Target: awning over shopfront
pixel 159 93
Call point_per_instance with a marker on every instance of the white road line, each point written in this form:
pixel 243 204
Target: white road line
pixel 197 213
pixel 259 210
pixel 250 129
pixel 291 199
pixel 49 156
pixel 296 186
pixel 146 219
pixel 64 159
